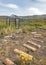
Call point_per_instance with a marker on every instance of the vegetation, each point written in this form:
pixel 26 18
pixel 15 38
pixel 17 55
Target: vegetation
pixel 26 25
pixel 23 59
pixel 33 24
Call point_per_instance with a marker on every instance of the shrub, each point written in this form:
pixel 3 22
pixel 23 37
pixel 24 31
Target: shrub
pixel 24 59
pixel 26 29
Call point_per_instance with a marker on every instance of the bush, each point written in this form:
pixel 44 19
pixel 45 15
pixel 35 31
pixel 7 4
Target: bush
pixel 26 29
pixel 23 59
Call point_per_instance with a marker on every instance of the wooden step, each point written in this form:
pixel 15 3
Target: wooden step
pixel 30 47
pixel 7 61
pixel 37 40
pixel 33 32
pixel 21 52
pixel 31 42
pixel 37 35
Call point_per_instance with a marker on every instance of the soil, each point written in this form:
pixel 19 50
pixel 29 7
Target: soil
pixel 12 41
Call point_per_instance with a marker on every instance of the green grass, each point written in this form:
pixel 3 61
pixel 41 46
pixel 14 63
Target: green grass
pixel 29 24
pixel 35 24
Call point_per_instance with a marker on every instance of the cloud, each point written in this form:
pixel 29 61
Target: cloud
pixel 13 6
pixel 35 11
pixel 41 0
pixel 30 11
pixel 10 8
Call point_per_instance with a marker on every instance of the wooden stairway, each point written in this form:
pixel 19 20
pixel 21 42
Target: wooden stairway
pixel 17 51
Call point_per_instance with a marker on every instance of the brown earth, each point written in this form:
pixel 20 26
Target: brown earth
pixel 16 40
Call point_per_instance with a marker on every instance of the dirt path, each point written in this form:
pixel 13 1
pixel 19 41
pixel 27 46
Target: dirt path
pixel 10 42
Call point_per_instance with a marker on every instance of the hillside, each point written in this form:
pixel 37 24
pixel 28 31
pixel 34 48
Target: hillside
pixel 25 17
pixel 34 17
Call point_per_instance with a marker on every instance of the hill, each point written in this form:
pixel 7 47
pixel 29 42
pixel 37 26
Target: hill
pixel 35 17
pixel 25 17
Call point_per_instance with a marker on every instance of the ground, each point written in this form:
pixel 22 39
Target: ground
pixel 16 40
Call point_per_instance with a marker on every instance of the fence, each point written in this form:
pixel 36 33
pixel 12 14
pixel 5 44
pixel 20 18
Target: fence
pixel 16 22
pixel 30 24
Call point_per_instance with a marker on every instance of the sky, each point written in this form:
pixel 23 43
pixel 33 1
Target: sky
pixel 22 7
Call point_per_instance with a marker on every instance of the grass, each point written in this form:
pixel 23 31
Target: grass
pixel 6 28
pixel 26 25
pixel 34 24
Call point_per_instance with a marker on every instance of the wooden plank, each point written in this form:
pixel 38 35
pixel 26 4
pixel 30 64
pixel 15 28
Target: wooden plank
pixel 8 62
pixel 33 32
pixel 21 52
pixel 31 42
pixel 30 47
pixel 37 40
pixel 37 35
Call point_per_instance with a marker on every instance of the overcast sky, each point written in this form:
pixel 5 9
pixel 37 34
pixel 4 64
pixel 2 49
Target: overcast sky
pixel 22 7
